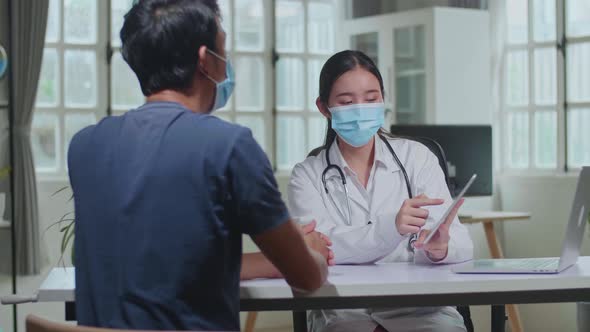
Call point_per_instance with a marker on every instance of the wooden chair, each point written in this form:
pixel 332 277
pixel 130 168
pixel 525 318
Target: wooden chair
pixel 37 324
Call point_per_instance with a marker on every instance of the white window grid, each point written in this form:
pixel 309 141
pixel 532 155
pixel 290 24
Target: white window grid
pixel 532 108
pixel 233 111
pixel 104 49
pixel 313 133
pixel 60 110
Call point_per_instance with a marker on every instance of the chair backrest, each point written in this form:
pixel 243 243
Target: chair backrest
pixel 438 151
pixel 37 324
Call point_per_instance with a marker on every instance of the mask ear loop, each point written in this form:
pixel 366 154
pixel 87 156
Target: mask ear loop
pixel 220 58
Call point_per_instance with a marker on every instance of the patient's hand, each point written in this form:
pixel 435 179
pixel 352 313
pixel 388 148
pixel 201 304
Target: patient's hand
pixel 318 241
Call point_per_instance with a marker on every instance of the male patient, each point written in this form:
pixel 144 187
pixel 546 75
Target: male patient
pixel 164 193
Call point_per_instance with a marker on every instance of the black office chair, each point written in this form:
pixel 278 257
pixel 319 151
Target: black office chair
pixel 438 151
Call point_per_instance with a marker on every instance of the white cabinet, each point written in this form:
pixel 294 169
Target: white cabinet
pixel 435 63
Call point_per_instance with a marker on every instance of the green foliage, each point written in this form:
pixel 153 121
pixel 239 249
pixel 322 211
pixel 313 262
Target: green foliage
pixel 66 227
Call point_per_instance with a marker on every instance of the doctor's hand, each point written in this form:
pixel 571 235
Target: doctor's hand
pixel 438 247
pixel 411 217
pixel 318 241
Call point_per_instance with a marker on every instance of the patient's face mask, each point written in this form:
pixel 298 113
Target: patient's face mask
pixel 356 124
pixel 225 88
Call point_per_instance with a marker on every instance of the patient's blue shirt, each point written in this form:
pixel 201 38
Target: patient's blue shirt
pixel 162 198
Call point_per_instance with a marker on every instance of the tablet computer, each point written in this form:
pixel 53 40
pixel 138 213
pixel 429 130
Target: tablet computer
pixel 449 209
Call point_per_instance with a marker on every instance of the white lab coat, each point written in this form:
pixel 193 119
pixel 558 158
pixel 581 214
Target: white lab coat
pixel 373 236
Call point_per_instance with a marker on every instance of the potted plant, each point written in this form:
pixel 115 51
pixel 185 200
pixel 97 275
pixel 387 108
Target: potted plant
pixel 66 227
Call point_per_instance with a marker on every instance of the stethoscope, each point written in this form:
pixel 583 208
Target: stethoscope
pixel 331 166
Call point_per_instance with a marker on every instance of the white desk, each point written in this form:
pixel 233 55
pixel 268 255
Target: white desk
pixel 488 218
pixel 389 285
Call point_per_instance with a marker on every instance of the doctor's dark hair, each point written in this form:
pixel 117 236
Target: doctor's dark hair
pixel 161 38
pixel 336 66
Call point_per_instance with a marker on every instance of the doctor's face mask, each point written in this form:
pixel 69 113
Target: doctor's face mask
pixel 355 103
pixel 356 124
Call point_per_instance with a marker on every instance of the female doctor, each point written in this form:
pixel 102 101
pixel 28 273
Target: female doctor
pixel 374 196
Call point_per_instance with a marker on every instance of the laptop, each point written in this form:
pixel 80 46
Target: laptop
pixel 579 216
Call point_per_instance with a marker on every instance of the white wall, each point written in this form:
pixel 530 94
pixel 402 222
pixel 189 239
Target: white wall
pixel 549 199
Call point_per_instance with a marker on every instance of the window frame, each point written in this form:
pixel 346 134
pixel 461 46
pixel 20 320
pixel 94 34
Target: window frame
pixel 307 113
pixel 60 110
pixel 230 112
pixel 561 107
pixel 105 49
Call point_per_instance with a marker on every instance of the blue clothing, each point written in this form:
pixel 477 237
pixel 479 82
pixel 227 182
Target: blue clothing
pixel 162 198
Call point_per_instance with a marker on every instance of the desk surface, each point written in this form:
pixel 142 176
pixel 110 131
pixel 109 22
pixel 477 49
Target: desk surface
pixel 469 217
pixel 386 284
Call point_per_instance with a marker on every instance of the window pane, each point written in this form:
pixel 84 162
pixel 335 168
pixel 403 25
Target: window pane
pixel 256 124
pixel 313 82
pixel 80 78
pixel 546 139
pixel 74 123
pixel 578 72
pixel 289 25
pixel 249 25
pixel 320 30
pixel 410 75
pixel 544 20
pixel 317 126
pixel 578 137
pixel 48 89
pixel 517 15
pixel 517 78
pixel 410 54
pixel 518 140
pixel 118 10
pixel 250 85
pixel 290 84
pixel 367 43
pixel 226 21
pixel 290 141
pixel 545 76
pixel 53 21
pixel 44 141
pixel 578 18
pixel 80 21
pixel 125 90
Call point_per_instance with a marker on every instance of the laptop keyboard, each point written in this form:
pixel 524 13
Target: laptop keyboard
pixel 524 263
pixel 539 264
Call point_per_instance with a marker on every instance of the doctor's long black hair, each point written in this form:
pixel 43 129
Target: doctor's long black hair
pixel 337 65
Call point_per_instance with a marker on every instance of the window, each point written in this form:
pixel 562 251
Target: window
pixel 305 38
pixel 80 83
pixel 578 82
pixel 247 25
pixel 71 86
pixel 545 96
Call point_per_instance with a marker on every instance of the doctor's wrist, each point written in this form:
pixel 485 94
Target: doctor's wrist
pixel 437 255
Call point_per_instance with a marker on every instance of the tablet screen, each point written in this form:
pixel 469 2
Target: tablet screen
pixel 449 209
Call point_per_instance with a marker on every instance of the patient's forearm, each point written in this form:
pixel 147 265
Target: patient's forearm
pixel 255 265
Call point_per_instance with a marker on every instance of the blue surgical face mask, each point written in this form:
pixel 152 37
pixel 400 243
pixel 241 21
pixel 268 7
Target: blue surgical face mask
pixel 356 124
pixel 223 89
